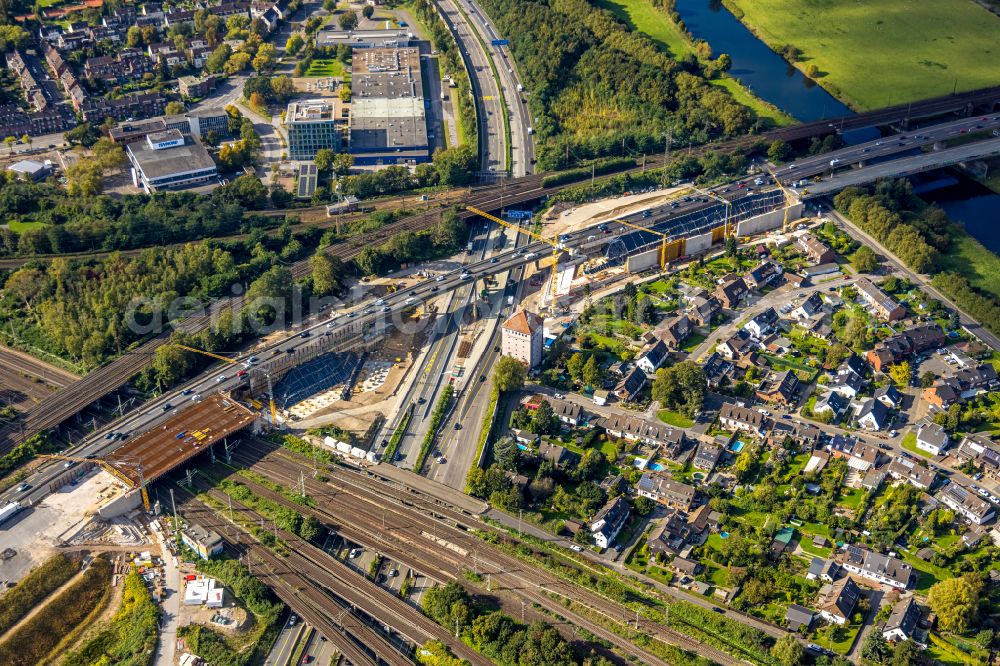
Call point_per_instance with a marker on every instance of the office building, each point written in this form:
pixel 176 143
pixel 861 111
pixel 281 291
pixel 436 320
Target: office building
pixel 169 160
pixel 312 125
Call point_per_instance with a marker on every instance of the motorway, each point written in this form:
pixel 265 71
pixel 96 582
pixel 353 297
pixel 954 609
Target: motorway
pixel 886 147
pixel 903 166
pixel 522 148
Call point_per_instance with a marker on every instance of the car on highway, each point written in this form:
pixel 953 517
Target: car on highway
pixel 23 487
pixel 387 309
pixel 196 397
pixel 576 549
pixel 558 396
pixel 494 260
pixel 354 553
pixel 441 460
pixel 220 379
pixel 187 392
pixel 167 407
pixel 435 288
pixel 458 426
pixel 439 278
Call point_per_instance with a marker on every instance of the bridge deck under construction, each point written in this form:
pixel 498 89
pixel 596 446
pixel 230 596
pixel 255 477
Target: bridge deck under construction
pixel 190 432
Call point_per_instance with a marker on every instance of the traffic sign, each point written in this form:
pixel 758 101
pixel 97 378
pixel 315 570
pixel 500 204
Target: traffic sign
pixel 518 214
pixel 500 42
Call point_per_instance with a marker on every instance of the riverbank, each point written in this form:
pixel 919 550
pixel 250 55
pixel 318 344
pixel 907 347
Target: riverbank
pixel 882 53
pixel 642 16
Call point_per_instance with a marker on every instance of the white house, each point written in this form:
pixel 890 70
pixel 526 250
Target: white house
pixel 931 438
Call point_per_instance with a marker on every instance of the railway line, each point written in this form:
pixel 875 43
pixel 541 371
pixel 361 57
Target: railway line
pixel 298 592
pixel 424 533
pixel 355 591
pixel 59 406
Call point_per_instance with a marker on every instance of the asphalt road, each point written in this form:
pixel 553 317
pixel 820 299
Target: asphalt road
pixel 887 146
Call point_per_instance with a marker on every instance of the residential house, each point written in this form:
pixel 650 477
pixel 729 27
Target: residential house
pixel 737 418
pixel 840 601
pixel 669 439
pixel 738 346
pixel 832 402
pixel 761 325
pixel 880 303
pixel 674 534
pixel 873 479
pixel 902 622
pixel 707 457
pixel 942 395
pixel 824 570
pixel 653 358
pixel 889 396
pixel 799 617
pixel 880 568
pixel 809 307
pixel 666 490
pixel 685 566
pixel 906 469
pixel 764 274
pixel 524 437
pixel 559 456
pixel 719 371
pixel 872 415
pixel 815 249
pixel 780 388
pixel 981 451
pixel 609 521
pixel 931 438
pixel 847 385
pixel 731 291
pixel 967 504
pixel 702 309
pixel 675 331
pixel 897 347
pixel 859 455
pixel 628 389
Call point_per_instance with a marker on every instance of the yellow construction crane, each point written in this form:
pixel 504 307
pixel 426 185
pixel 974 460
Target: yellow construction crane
pixel 556 246
pixel 205 353
pixel 788 199
pixel 111 469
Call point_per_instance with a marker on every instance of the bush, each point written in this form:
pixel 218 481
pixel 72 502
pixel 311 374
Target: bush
pixel 130 637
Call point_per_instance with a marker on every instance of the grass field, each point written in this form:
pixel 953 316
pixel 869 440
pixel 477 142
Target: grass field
pixel 883 52
pixel 641 15
pixel 972 259
pixel 20 227
pixel 674 418
pixel 319 68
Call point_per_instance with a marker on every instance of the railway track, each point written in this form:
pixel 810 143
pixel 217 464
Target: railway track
pixel 333 620
pixel 430 540
pixel 51 411
pixel 354 589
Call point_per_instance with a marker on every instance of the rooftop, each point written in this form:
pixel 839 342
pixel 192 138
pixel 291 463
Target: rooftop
pixel 186 158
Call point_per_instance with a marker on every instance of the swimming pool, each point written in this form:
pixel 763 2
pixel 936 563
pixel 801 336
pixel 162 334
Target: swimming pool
pixel 656 467
pixel 522 447
pixel 737 446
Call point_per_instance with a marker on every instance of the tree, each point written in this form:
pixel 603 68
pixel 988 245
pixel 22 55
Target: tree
pixel 324 160
pixel 342 163
pixel 509 374
pixel 732 246
pixel 174 108
pixel 347 20
pixel 368 11
pixel 344 93
pixel 294 43
pixel 327 273
pixel 643 505
pixel 778 151
pixel 257 102
pixel 266 56
pixel 236 63
pixel 901 373
pixel 217 59
pixel 812 70
pixel 927 379
pixel 280 197
pixel 593 373
pixel 906 653
pixel 865 260
pixel 955 601
pixel 455 166
pixel 544 420
pixel 876 649
pixel 574 366
pixel 788 650
pixel 836 354
pixel 681 387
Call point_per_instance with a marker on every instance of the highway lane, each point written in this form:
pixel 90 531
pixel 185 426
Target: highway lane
pixel 489 110
pixel 886 146
pixel 522 147
pixel 904 166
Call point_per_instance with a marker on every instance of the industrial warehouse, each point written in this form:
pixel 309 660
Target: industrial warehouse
pixel 388 122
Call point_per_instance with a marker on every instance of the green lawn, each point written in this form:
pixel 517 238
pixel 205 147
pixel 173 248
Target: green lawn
pixel 19 227
pixel 883 52
pixel 852 498
pixel 824 637
pixel 323 67
pixel 910 444
pixel 642 16
pixel 674 418
pixel 968 257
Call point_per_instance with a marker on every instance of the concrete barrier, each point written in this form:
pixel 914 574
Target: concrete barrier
pixel 637 263
pixel 697 244
pixel 768 221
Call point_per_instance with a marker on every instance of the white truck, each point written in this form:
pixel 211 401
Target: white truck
pixel 9 510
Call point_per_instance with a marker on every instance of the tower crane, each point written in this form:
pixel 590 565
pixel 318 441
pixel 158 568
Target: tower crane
pixel 205 353
pixel 556 245
pixel 111 469
pixel 663 239
pixel 788 199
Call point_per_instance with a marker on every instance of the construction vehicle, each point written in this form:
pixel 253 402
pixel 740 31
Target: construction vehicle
pixel 112 469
